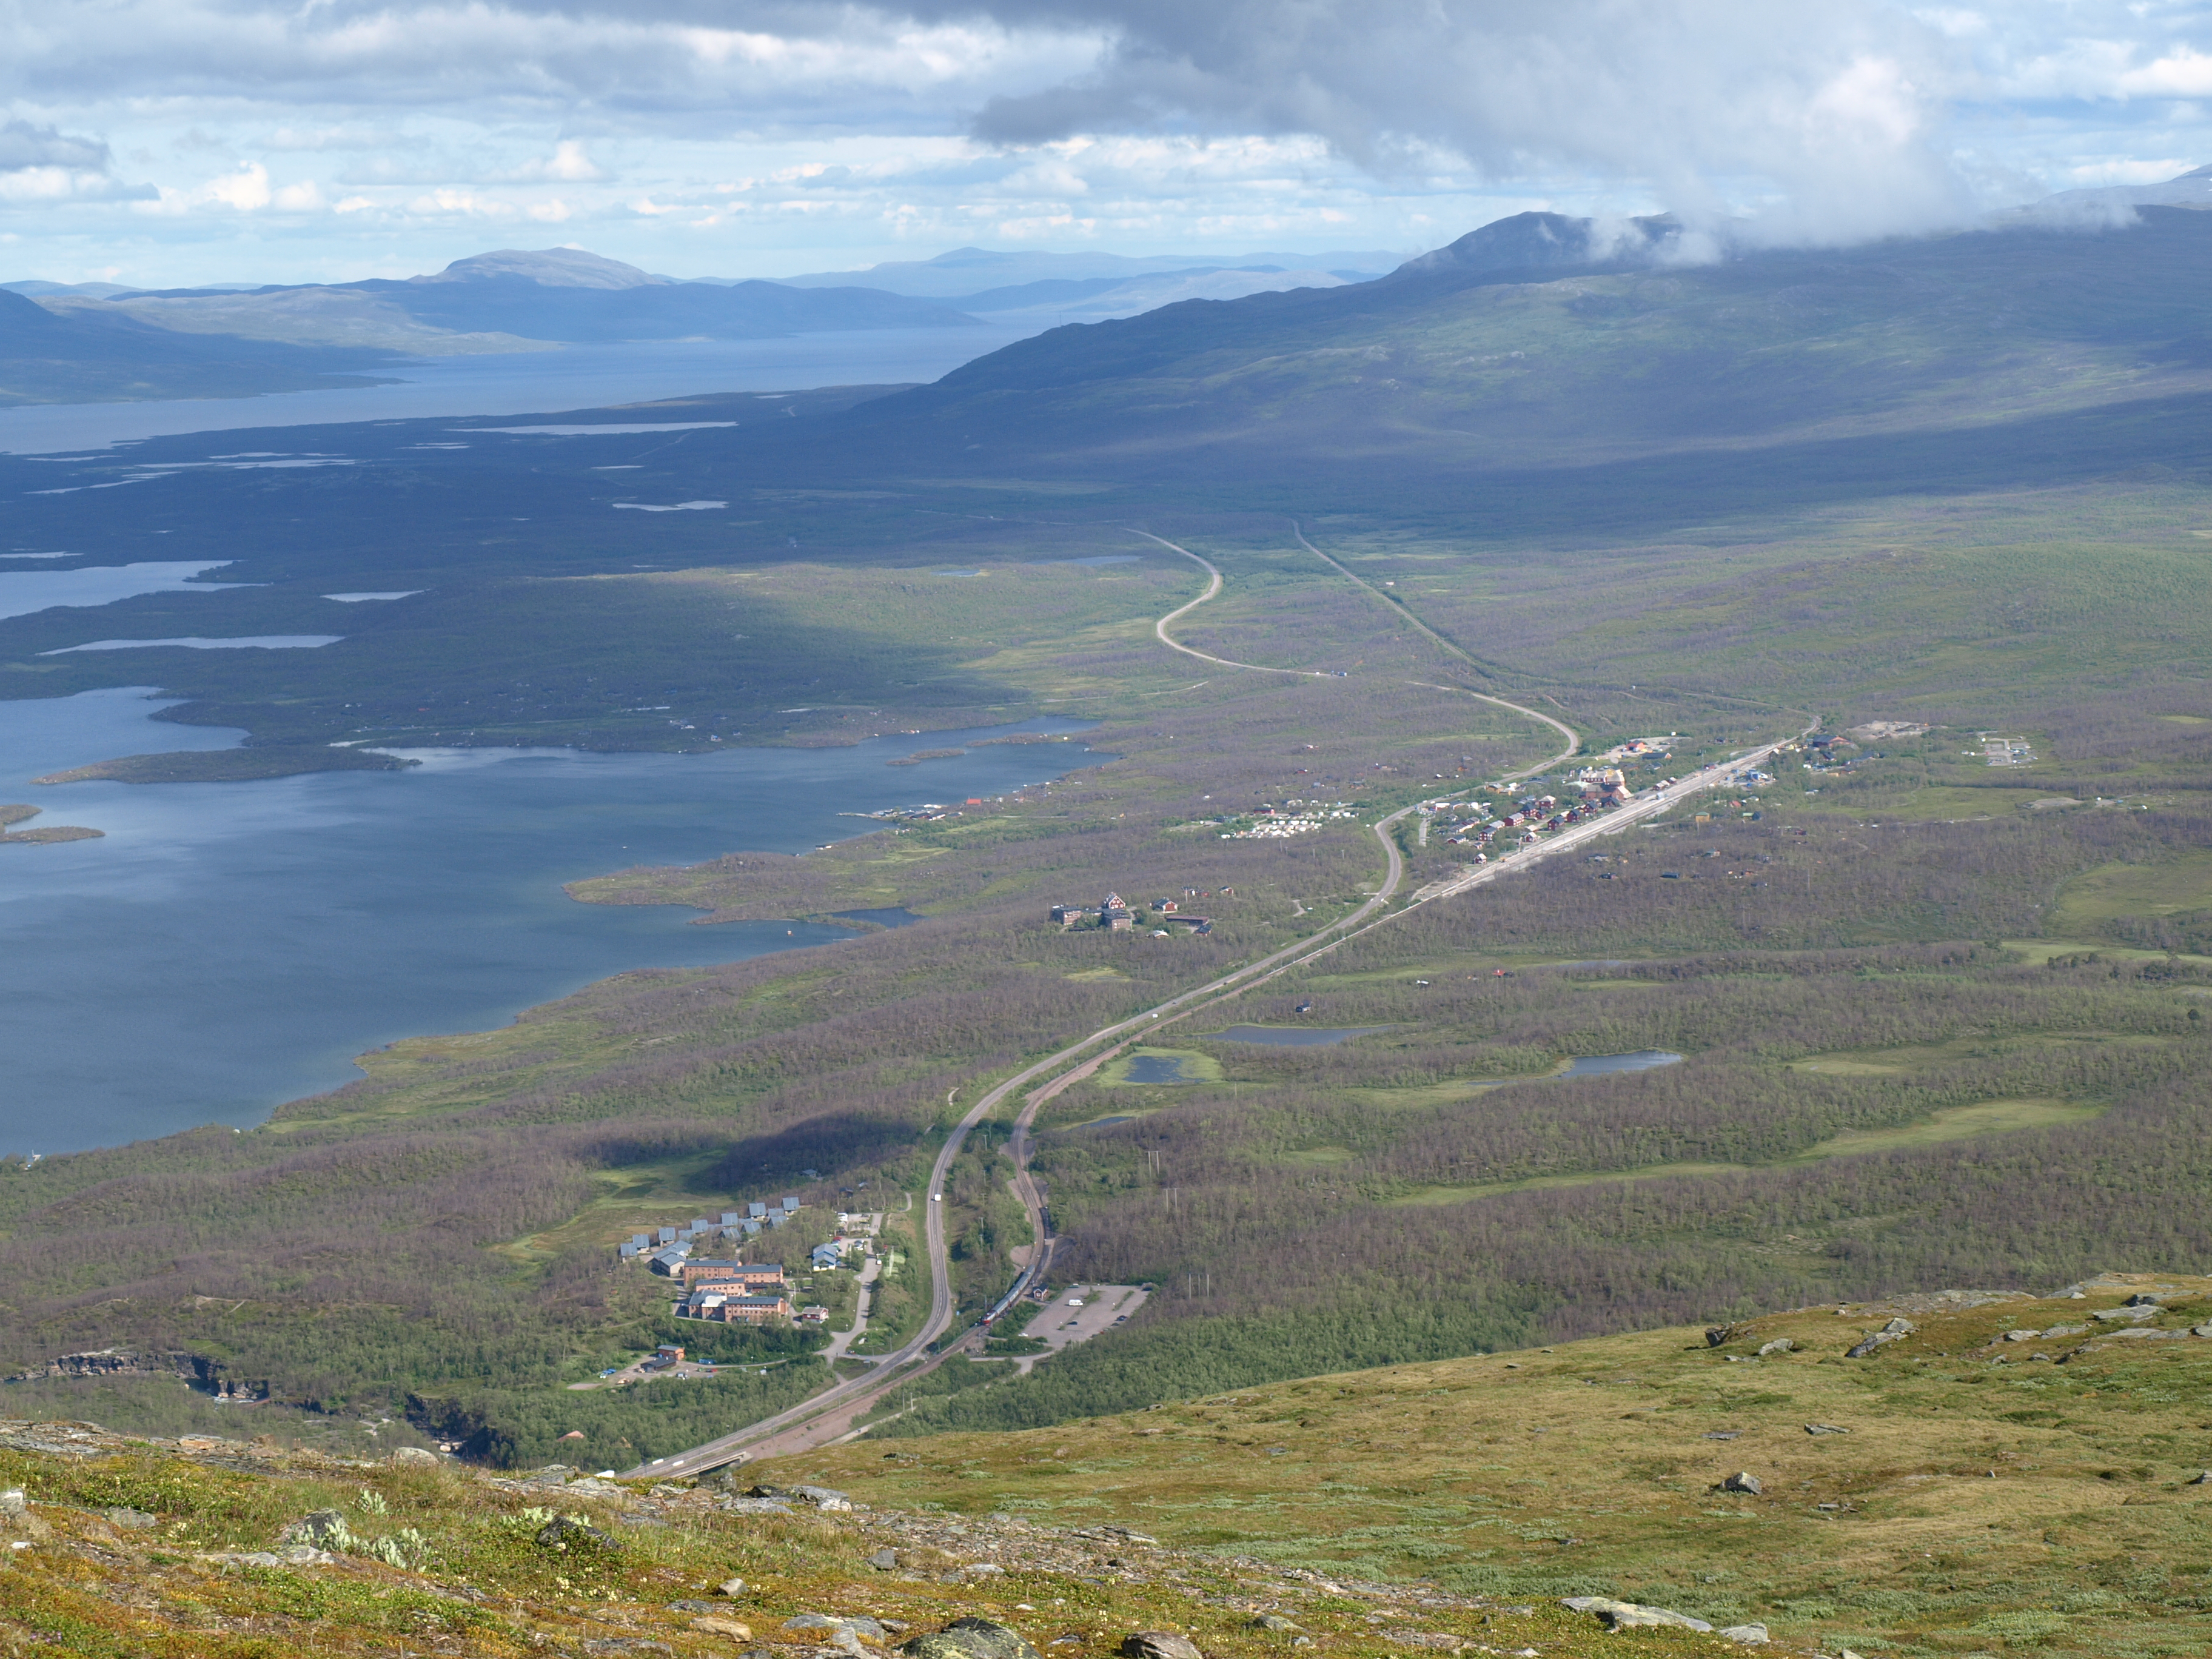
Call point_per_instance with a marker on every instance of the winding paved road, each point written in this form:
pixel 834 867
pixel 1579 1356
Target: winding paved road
pixel 831 1413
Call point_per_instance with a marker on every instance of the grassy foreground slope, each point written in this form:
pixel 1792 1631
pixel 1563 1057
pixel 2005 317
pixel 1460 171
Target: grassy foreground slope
pixel 1954 1492
pixel 1966 1495
pixel 182 1549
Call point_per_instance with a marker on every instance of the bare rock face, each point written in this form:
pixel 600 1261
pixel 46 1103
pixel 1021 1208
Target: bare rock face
pixel 1159 1644
pixel 972 1639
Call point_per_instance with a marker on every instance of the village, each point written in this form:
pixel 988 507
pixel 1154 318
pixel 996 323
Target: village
pixel 732 1292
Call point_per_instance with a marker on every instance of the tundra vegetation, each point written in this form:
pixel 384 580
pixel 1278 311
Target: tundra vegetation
pixel 1941 1021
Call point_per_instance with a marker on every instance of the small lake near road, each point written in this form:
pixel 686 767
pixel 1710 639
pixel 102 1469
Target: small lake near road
pixel 225 947
pixel 1292 1036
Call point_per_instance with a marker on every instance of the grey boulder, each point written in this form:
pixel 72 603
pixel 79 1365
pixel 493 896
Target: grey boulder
pixel 1631 1616
pixel 1159 1644
pixel 1749 1635
pixel 1743 1481
pixel 414 1454
pixel 1889 1333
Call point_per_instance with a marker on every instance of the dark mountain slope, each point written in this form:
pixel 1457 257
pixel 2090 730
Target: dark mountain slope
pixel 1466 363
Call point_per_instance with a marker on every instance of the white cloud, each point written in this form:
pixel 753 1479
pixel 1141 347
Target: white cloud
pixel 2183 72
pixel 567 163
pixel 745 137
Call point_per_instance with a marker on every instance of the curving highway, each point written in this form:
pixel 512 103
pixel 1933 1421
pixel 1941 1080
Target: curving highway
pixel 829 1415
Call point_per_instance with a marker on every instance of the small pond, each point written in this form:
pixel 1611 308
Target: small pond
pixel 1292 1036
pixel 1642 1061
pixel 1156 1068
pixel 1590 1066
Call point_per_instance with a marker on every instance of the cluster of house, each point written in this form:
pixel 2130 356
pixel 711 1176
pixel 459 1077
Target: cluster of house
pixel 1596 790
pixel 1116 916
pixel 665 1248
pixel 734 1292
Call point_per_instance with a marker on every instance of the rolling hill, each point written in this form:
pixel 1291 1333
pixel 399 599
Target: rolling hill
pixel 93 356
pixel 505 300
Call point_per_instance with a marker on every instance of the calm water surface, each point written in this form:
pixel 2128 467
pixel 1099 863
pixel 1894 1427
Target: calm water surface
pixel 231 946
pixel 574 377
pixel 1293 1036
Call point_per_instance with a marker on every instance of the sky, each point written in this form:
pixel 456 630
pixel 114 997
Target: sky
pixel 167 143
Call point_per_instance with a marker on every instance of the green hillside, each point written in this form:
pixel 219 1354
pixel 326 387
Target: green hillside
pixel 2013 1472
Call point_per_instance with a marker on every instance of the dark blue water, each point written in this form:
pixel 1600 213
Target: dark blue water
pixel 1288 1036
pixel 231 946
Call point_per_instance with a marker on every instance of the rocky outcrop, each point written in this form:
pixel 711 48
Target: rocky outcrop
pixel 1894 1331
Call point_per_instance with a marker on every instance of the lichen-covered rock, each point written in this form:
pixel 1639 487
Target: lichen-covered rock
pixel 1749 1635
pixel 1780 1345
pixel 573 1533
pixel 822 1497
pixel 972 1639
pixel 1275 1621
pixel 1159 1644
pixel 416 1456
pixel 714 1625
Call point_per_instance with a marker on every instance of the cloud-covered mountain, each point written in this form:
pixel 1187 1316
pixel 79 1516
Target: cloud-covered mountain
pixel 2192 189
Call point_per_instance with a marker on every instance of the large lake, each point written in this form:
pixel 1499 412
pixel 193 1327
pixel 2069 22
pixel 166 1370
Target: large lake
pixel 574 377
pixel 227 947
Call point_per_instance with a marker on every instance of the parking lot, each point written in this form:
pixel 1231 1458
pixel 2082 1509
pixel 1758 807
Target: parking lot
pixel 1064 1323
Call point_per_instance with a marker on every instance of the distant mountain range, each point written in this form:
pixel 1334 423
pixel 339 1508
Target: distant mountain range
pixel 965 274
pixel 95 342
pixel 513 300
